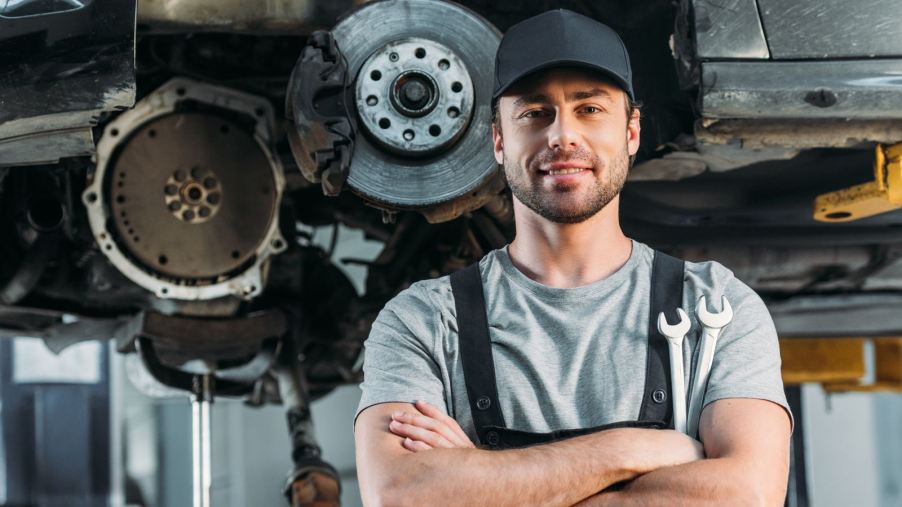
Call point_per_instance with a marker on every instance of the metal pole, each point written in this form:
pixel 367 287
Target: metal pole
pixel 201 441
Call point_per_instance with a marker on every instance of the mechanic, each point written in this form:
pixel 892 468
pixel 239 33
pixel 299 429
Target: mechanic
pixel 552 389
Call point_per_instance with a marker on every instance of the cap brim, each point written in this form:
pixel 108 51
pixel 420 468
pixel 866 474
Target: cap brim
pixel 613 76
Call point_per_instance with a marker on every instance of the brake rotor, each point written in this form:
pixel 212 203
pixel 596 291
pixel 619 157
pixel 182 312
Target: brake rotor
pixel 422 89
pixel 191 210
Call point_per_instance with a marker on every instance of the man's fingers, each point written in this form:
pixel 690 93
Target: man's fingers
pixel 415 445
pixel 430 424
pixel 416 433
pixel 435 413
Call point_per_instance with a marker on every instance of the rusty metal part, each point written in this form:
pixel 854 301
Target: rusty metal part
pixel 799 134
pixel 312 481
pixel 64 65
pixel 391 168
pixel 414 96
pixel 316 489
pixel 289 17
pixel 234 352
pixel 193 196
pixel 165 193
pixel 501 207
pixel 185 198
pixel 60 330
pixel 219 338
pixel 882 195
pixel 480 196
pixel 321 136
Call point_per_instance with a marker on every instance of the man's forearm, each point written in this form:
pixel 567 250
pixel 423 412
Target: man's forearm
pixel 723 481
pixel 560 473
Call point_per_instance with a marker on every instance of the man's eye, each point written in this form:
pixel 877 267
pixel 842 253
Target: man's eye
pixel 591 109
pixel 535 113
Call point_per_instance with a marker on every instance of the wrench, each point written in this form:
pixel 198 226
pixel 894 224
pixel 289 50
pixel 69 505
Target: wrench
pixel 712 324
pixel 675 335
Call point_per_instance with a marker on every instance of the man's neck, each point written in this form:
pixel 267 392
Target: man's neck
pixel 569 255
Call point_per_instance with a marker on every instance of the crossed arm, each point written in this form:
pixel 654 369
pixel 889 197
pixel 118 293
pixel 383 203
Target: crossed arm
pixel 423 458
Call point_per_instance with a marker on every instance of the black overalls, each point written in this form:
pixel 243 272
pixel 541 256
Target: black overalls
pixel 479 367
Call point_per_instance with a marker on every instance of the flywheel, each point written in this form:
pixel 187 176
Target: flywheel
pixel 185 198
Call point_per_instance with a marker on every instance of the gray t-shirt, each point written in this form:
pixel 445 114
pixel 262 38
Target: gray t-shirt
pixel 565 358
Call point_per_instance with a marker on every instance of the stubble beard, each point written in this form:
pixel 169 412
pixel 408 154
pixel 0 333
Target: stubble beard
pixel 561 205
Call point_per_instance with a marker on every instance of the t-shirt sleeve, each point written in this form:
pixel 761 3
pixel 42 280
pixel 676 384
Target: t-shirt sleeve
pixel 747 356
pixel 398 363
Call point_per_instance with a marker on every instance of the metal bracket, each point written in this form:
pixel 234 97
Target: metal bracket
pixel 881 195
pixel 322 141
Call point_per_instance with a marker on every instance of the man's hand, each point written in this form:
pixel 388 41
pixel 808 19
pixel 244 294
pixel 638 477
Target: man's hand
pixel 428 430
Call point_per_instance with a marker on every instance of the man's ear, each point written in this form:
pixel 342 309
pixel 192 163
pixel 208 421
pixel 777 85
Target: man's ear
pixel 497 144
pixel 632 132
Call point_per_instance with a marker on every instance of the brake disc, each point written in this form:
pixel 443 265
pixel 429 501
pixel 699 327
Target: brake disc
pixel 421 83
pixel 185 197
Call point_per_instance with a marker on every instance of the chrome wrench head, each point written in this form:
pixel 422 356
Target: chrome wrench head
pixel 714 320
pixel 675 335
pixel 675 332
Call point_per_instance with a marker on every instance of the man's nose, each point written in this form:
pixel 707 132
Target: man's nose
pixel 562 133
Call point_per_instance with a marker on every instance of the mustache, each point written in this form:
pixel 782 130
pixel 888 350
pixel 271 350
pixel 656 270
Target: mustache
pixel 577 154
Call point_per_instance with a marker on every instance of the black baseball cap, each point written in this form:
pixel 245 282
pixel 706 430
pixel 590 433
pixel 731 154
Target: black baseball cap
pixel 559 38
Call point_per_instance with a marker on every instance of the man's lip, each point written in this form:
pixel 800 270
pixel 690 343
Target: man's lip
pixel 563 165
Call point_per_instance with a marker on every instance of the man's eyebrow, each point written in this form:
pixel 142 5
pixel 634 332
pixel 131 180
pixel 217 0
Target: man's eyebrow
pixel 525 100
pixel 588 94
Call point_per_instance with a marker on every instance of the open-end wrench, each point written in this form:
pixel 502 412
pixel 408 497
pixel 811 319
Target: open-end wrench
pixel 712 324
pixel 675 335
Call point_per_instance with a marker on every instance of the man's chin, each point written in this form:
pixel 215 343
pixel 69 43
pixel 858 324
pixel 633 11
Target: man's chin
pixel 565 214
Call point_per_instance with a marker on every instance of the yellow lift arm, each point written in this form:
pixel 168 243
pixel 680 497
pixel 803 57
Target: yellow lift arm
pixel 844 364
pixel 868 199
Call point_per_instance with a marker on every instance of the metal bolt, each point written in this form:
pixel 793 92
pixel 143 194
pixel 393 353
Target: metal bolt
pixel 414 92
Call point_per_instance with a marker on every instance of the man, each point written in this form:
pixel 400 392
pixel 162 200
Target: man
pixel 562 339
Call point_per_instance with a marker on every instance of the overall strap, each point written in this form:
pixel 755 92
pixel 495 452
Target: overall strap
pixel 666 295
pixel 476 351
